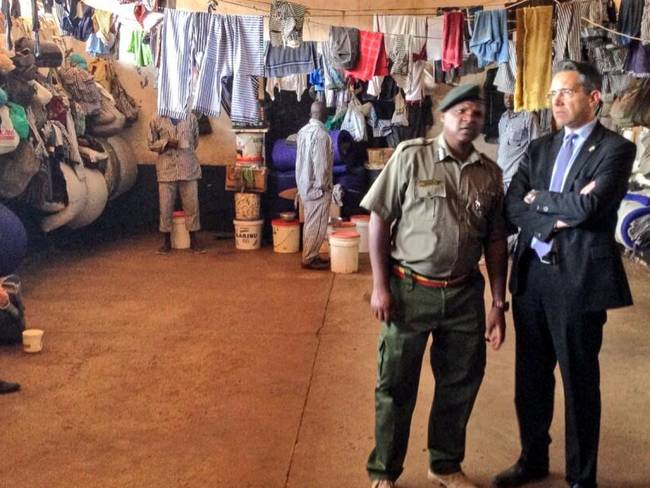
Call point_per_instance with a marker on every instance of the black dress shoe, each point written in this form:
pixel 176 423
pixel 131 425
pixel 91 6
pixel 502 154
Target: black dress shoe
pixel 518 475
pixel 6 387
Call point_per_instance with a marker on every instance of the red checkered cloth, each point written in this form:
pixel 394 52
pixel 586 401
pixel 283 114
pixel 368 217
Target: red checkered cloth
pixel 372 57
pixel 452 40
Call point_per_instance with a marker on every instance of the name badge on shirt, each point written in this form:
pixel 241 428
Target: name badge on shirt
pixel 430 188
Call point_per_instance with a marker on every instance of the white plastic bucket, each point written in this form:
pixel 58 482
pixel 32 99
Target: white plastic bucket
pixel 247 206
pixel 331 228
pixel 248 234
pixel 32 340
pixel 362 222
pixel 286 235
pixel 180 234
pixel 344 252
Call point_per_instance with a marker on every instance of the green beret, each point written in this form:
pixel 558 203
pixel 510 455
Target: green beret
pixel 459 94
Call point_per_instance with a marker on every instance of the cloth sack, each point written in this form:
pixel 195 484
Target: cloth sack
pixel 6 64
pixel 49 55
pixel 9 138
pixel 18 89
pixel 25 63
pixel 17 169
pixel 12 316
pixel 632 107
pixel 46 190
pixel 125 103
pixel 400 115
pixel 43 95
pixel 110 129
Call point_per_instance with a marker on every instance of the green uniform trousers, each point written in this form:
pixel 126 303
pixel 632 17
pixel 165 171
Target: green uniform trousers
pixel 455 317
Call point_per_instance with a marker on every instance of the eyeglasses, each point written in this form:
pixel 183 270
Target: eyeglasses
pixel 565 92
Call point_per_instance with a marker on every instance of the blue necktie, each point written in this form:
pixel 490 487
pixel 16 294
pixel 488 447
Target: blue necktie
pixel 561 164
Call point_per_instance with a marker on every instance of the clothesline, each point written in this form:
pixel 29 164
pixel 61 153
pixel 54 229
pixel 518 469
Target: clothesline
pixel 231 2
pixel 364 12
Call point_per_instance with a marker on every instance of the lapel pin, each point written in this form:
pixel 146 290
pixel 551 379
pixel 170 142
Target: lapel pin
pixel 591 149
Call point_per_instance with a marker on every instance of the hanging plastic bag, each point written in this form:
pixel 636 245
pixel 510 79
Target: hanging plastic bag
pixel 19 119
pixel 400 116
pixel 354 122
pixel 9 139
pixel 43 95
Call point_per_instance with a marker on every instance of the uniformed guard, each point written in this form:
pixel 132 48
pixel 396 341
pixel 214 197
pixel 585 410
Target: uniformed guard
pixel 435 208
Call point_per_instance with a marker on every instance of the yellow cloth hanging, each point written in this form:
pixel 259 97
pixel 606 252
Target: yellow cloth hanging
pixel 534 38
pixel 102 22
pixel 100 70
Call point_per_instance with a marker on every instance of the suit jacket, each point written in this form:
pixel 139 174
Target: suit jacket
pixel 588 261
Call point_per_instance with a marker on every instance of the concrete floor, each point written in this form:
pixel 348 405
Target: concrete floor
pixel 239 369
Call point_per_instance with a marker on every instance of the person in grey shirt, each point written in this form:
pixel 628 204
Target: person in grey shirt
pixel 516 130
pixel 178 171
pixel 314 161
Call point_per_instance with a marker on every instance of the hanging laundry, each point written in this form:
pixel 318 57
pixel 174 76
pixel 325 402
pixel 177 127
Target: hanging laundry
pixel 102 23
pixel 284 61
pixel 452 46
pixel 344 47
pixel 594 10
pixel 317 80
pixel 395 26
pixel 434 37
pixel 334 79
pixel 533 79
pixel 295 83
pixel 505 77
pixel 645 23
pixel 567 36
pixel 399 55
pixel 638 60
pixel 79 27
pixel 490 37
pixel 372 57
pixel 414 90
pixel 629 20
pixel 96 47
pixel 183 40
pixel 405 41
pixel 235 47
pixel 285 24
pixel 141 52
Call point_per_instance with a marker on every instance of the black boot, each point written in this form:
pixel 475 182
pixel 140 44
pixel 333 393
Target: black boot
pixel 167 244
pixel 194 244
pixel 6 387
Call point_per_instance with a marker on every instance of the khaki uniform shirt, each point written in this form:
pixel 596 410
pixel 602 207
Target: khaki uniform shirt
pixel 443 211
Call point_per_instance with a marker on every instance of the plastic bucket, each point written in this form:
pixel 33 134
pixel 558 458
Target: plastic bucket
pixel 344 252
pixel 286 236
pixel 362 222
pixel 341 226
pixel 247 206
pixel 250 147
pixel 180 235
pixel 248 234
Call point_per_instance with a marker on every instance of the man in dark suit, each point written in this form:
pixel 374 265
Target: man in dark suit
pixel 566 273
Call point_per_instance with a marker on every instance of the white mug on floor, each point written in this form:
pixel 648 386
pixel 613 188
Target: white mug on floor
pixel 32 340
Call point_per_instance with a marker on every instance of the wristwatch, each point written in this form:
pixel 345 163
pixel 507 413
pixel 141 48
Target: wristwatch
pixel 505 306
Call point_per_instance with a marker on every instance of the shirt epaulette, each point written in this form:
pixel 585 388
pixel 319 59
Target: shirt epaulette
pixel 418 141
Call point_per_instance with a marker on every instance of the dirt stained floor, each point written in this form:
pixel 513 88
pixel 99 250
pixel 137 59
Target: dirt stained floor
pixel 239 369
